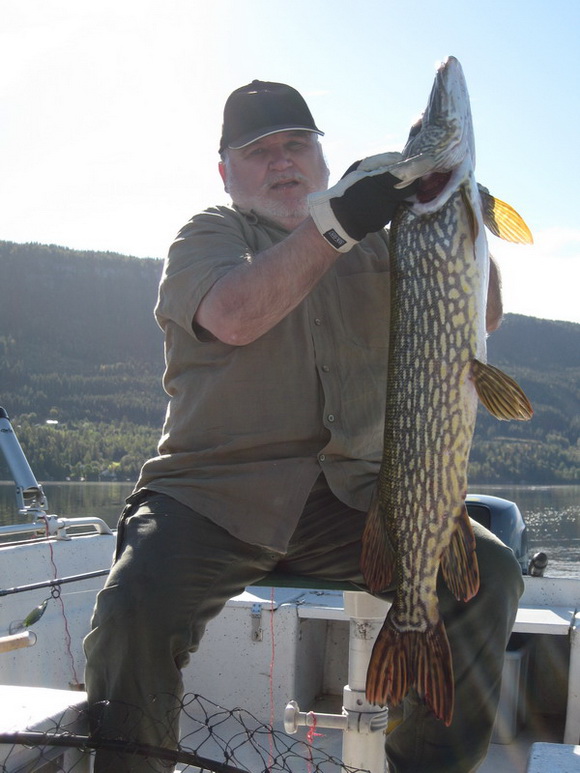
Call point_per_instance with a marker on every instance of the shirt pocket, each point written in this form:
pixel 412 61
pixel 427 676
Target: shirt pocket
pixel 364 293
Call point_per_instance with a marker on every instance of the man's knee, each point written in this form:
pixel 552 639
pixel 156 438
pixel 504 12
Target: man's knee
pixel 499 569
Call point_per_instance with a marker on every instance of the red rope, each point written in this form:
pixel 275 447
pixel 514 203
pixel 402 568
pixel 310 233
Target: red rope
pixel 68 637
pixel 310 736
pixel 272 655
pixel 271 673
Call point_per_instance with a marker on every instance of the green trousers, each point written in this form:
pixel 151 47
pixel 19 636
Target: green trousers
pixel 174 571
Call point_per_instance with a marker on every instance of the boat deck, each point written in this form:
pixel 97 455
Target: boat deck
pixel 292 643
pixel 510 757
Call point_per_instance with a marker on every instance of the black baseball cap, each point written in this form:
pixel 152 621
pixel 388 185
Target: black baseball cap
pixel 262 108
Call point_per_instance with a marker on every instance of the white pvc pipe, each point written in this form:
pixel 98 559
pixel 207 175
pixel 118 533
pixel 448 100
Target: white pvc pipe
pixel 363 746
pixel 17 641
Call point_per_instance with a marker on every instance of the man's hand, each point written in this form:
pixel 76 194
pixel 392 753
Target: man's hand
pixel 362 202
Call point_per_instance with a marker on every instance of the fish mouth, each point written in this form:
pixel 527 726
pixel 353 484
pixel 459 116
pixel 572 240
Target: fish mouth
pixel 431 185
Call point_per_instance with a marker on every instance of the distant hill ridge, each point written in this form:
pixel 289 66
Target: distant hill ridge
pixel 78 342
pixel 84 307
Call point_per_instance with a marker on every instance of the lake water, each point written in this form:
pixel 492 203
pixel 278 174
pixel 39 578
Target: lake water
pixel 552 513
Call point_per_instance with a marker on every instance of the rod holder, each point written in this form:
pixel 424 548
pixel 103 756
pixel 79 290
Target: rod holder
pixel 294 718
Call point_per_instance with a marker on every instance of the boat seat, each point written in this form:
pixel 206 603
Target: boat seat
pixel 565 758
pixel 42 710
pixel 282 580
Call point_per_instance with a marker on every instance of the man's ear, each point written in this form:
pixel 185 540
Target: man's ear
pixel 223 174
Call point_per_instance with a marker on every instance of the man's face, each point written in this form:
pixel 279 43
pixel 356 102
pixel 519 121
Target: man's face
pixel 274 175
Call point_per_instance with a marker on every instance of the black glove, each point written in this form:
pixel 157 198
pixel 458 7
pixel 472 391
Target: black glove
pixel 362 202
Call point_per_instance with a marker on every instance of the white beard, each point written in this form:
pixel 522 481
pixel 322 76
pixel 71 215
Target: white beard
pixel 264 201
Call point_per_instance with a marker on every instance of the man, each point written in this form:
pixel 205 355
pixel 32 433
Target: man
pixel 275 317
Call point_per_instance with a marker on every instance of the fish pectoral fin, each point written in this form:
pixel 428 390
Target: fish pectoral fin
pixel 404 659
pixel 502 396
pixel 459 562
pixel 502 220
pixel 378 555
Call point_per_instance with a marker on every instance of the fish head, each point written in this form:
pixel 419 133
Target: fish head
pixel 445 130
pixel 441 142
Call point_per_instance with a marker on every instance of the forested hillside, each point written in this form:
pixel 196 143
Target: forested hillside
pixel 79 347
pixel 77 335
pixel 544 358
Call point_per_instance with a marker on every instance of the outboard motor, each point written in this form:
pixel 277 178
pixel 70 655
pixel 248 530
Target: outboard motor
pixel 503 518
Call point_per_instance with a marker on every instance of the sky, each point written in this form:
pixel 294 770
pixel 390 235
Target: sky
pixel 110 112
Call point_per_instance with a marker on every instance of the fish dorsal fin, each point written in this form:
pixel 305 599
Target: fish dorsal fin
pixel 459 562
pixel 502 220
pixel 502 396
pixel 378 554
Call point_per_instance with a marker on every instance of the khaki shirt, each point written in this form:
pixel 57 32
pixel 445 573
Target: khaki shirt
pixel 249 429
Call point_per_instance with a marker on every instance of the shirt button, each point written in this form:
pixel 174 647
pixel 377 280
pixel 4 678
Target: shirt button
pixel 330 417
pixel 321 457
pixel 325 368
pixel 317 321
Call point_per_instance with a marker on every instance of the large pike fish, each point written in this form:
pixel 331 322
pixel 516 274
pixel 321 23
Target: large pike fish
pixel 437 371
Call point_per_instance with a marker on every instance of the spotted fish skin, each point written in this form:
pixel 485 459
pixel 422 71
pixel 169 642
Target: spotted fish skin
pixel 417 524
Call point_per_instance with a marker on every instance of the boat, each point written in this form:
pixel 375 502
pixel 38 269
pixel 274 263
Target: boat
pixel 298 703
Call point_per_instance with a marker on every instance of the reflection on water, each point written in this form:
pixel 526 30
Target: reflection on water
pixel 552 513
pixel 101 500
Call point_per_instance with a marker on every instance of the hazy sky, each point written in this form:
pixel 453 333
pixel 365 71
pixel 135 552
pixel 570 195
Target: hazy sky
pixel 110 112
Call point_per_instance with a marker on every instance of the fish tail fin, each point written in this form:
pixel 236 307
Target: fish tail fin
pixel 459 561
pixel 502 220
pixel 378 556
pixel 502 396
pixel 404 659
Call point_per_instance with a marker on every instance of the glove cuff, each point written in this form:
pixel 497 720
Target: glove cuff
pixel 327 223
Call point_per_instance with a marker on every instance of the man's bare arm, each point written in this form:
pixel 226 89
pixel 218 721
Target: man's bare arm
pixel 253 297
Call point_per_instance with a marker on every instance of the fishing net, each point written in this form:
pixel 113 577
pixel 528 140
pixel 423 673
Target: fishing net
pixel 214 739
